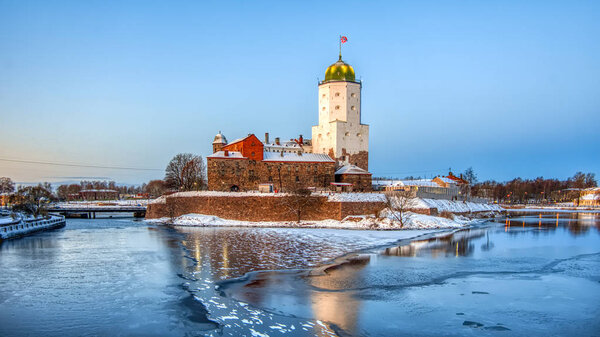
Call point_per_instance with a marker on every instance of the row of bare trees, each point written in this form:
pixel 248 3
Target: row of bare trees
pixel 534 190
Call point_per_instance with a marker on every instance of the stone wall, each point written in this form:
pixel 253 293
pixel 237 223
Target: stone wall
pixel 246 174
pixel 360 159
pixel 261 208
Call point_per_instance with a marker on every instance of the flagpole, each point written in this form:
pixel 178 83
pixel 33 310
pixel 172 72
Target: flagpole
pixel 340 41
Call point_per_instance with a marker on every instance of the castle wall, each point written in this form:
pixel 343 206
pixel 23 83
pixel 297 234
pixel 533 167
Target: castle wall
pixel 259 208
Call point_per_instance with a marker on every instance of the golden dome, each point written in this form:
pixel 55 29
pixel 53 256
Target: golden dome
pixel 340 71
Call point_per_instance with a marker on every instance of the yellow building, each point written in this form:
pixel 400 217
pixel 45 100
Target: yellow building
pixel 3 199
pixel 588 197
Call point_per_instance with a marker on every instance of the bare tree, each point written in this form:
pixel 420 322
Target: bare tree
pixel 155 188
pixel 399 204
pixel 64 191
pixel 186 172
pixel 6 185
pixel 32 199
pixel 470 176
pixel 299 201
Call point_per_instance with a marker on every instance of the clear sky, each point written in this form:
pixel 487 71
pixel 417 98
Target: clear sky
pixel 511 88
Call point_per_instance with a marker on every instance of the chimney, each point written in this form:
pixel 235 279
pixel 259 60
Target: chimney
pixel 226 153
pixel 266 138
pixel 277 141
pixel 301 140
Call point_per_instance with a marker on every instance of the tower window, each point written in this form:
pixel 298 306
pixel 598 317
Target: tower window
pixel 337 94
pixel 353 107
pixel 323 108
pixel 323 95
pixel 337 107
pixel 353 95
pixel 347 134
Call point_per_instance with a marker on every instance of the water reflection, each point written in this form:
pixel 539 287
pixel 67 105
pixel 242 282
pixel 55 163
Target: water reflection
pixel 419 287
pixel 576 223
pixel 233 252
pixel 339 308
pixel 452 244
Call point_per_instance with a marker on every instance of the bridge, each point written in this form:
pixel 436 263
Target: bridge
pixel 89 211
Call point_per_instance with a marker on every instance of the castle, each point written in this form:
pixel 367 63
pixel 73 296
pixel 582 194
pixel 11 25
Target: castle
pixel 336 157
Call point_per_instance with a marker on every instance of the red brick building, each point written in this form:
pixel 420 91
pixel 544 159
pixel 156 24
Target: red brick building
pixel 244 164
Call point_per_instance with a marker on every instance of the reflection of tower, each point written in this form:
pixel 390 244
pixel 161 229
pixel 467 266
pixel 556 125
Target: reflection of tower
pixel 338 307
pixel 340 133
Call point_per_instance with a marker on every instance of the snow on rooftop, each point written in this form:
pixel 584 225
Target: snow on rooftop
pixel 287 144
pixel 295 157
pixel 357 197
pixel 351 169
pixel 415 182
pixel 221 154
pixel 447 180
pixel 239 139
pixel 591 196
pixel 454 206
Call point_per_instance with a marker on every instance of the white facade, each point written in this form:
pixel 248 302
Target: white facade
pixel 340 126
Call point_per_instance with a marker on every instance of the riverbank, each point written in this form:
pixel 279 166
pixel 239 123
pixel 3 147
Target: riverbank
pixel 387 220
pixel 319 210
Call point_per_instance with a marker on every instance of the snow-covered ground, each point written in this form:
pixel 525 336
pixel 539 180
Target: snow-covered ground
pixel 387 221
pixel 456 206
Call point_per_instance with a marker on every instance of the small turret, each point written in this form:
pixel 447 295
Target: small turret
pixel 219 142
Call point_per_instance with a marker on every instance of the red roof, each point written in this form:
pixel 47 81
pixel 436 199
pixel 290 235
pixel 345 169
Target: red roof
pixel 457 179
pixel 250 147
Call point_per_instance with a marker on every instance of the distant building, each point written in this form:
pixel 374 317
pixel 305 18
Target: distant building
pixel 588 197
pixel 95 194
pixel 448 187
pixel 4 199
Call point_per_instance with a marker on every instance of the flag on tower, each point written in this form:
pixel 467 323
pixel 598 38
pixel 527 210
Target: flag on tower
pixel 343 39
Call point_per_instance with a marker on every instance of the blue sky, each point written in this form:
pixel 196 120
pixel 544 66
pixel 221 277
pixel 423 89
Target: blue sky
pixel 510 88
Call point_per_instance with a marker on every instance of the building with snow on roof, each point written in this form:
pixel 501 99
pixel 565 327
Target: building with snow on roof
pixel 588 197
pixel 358 178
pixel 244 165
pixel 447 187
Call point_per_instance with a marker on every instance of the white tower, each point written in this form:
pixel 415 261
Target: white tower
pixel 340 132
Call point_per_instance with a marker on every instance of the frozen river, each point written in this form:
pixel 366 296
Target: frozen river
pixel 127 277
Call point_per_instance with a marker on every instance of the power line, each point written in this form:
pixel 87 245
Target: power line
pixel 78 165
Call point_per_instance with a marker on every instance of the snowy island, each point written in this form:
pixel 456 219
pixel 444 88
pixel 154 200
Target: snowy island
pixel 319 210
